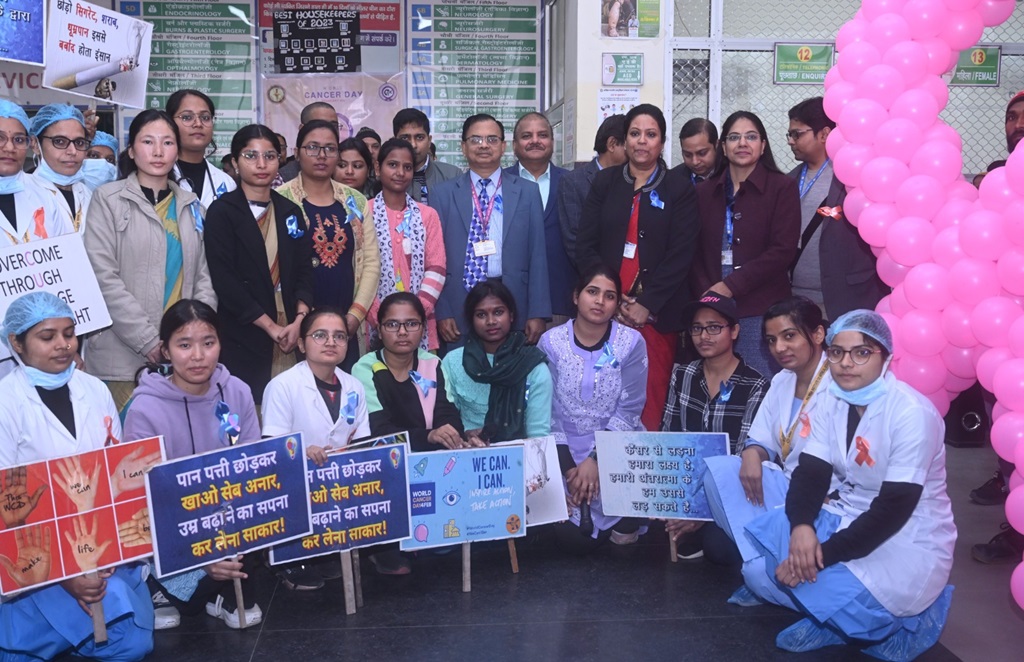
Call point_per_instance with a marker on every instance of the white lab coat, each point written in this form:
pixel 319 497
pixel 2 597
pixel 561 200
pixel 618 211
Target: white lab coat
pixel 292 403
pixel 217 184
pixel 30 432
pixel 905 435
pixel 31 205
pixel 83 194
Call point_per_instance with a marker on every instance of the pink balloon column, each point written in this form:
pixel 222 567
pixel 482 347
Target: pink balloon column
pixel 953 254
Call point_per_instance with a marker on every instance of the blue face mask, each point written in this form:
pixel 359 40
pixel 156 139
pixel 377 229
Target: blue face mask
pixel 47 173
pixel 48 380
pixel 11 184
pixel 864 395
pixel 97 172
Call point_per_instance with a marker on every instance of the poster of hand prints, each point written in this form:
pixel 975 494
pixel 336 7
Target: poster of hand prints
pixel 72 515
pixel 656 474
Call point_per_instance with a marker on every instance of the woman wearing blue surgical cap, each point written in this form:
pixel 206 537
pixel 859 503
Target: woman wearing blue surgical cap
pixel 50 410
pixel 100 166
pixel 104 146
pixel 879 573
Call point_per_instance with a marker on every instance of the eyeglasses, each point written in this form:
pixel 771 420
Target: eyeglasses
pixel 314 150
pixel 859 355
pixel 20 140
pixel 392 326
pixel 712 329
pixel 60 142
pixel 480 140
pixel 749 137
pixel 189 118
pixel 794 134
pixel 251 155
pixel 91 154
pixel 320 337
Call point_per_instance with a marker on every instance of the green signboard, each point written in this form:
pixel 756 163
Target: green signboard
pixel 622 69
pixel 802 64
pixel 978 67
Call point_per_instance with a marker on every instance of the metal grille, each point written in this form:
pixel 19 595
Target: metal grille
pixel 690 73
pixel 693 18
pixel 793 20
pixel 1012 31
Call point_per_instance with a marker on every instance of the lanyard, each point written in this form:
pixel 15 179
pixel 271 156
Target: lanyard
pixel 485 220
pixel 803 176
pixel 787 438
pixel 730 201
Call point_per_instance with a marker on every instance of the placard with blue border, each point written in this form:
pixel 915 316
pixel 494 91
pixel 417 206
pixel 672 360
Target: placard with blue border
pixel 21 30
pixel 656 474
pixel 209 507
pixel 467 495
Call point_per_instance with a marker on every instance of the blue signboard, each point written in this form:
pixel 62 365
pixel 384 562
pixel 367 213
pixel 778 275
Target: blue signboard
pixel 209 507
pixel 358 498
pixel 465 496
pixel 656 474
pixel 21 30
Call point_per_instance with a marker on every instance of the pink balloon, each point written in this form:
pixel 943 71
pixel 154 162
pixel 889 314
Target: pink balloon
pixel 998 411
pixel 921 335
pixel 1018 461
pixel 956 385
pixel 1015 515
pixel 881 83
pixel 936 87
pixel 939 55
pixel 961 5
pixel 891 272
pixel 882 177
pixel 909 241
pixel 1017 584
pixel 910 59
pixel 872 9
pixel 927 286
pixel 946 250
pixel 995 12
pixel 1016 479
pixel 953 213
pixel 942 132
pixel 940 399
pixel 962 29
pixel 991 360
pixel 888 30
pixel 962 189
pixel 853 31
pixel 856 202
pixel 940 160
pixel 1013 222
pixel 982 236
pixel 956 325
pixel 1016 342
pixel 919 195
pixel 856 58
pixel 1010 269
pixel 916 105
pixel 835 142
pixel 898 138
pixel 1007 434
pixel 860 119
pixel 1015 171
pixel 850 161
pixel 925 18
pixel 926 374
pixel 971 279
pixel 995 191
pixel 883 305
pixel 836 98
pixel 875 221
pixel 899 304
pixel 991 320
pixel 1008 384
pixel 959 361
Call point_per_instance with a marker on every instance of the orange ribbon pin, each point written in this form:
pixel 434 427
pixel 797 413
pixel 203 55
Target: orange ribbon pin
pixel 864 452
pixel 40 219
pixel 805 425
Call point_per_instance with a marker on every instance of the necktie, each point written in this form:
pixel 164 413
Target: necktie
pixel 476 265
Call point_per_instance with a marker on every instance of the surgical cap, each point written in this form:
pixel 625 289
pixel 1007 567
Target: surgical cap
pixel 868 322
pixel 11 110
pixel 104 139
pixel 31 309
pixel 55 112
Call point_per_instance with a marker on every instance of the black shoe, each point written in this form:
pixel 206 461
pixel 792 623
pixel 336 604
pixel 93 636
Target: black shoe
pixel 992 493
pixel 1005 547
pixel 300 578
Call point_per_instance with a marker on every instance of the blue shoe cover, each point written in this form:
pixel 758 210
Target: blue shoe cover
pixel 918 634
pixel 806 635
pixel 744 597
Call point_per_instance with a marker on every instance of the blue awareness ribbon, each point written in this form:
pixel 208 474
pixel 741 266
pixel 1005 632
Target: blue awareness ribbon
pixel 221 190
pixel 404 227
pixel 607 358
pixel 197 214
pixel 353 209
pixel 349 410
pixel 294 231
pixel 422 382
pixel 725 390
pixel 229 428
pixel 656 200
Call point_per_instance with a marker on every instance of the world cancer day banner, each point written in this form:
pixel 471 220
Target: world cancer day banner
pixel 212 506
pixel 358 498
pixel 68 516
pixel 656 474
pixel 467 495
pixel 97 53
pixel 545 491
pixel 21 31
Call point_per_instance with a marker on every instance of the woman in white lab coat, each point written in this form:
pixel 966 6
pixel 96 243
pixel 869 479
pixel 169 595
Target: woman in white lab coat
pixel 51 409
pixel 62 141
pixel 871 565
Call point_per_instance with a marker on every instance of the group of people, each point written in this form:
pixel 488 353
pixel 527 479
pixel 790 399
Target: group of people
pixel 401 294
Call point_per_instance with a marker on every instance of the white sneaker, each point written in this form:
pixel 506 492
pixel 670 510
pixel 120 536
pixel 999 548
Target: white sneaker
pixel 253 616
pixel 166 615
pixel 624 538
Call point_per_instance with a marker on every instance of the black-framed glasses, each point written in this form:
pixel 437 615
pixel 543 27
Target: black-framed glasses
pixel 859 355
pixel 251 155
pixel 189 118
pixel 751 137
pixel 314 150
pixel 712 329
pixel 480 140
pixel 794 134
pixel 392 326
pixel 20 140
pixel 320 337
pixel 62 142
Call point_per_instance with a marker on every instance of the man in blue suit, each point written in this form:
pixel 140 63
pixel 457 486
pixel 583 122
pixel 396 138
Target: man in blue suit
pixel 533 143
pixel 493 226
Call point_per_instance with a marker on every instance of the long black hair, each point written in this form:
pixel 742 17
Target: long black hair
pixel 804 313
pixel 767 158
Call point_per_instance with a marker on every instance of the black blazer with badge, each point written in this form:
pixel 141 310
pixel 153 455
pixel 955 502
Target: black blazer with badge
pixel 237 258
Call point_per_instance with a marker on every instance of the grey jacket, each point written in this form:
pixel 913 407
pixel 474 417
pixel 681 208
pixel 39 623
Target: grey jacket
pixel 437 172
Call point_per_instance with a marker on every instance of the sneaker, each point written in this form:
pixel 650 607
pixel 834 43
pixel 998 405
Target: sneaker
pixel 217 609
pixel 624 538
pixel 992 493
pixel 690 547
pixel 165 614
pixel 391 562
pixel 300 578
pixel 744 597
pixel 1005 547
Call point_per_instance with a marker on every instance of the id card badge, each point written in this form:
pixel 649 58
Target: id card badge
pixel 727 258
pixel 484 248
pixel 629 251
pixel 407 246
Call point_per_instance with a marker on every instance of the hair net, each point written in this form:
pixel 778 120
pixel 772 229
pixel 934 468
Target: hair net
pixel 55 112
pixel 867 322
pixel 11 110
pixel 31 309
pixel 103 139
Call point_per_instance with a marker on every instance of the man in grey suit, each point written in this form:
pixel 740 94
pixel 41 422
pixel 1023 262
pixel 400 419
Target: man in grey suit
pixel 493 226
pixel 413 126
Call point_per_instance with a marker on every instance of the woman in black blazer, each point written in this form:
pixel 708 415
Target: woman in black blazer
pixel 641 219
pixel 260 258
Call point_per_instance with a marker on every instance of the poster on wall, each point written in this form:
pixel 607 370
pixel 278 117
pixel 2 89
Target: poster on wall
pixel 630 19
pixel 616 101
pixel 21 31
pixel 97 53
pixel 466 58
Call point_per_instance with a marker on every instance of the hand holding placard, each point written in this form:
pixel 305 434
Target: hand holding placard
pixel 33 563
pixel 17 505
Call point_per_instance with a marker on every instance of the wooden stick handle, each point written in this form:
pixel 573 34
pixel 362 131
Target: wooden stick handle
pixel 358 577
pixel 99 619
pixel 673 554
pixel 512 556
pixel 466 574
pixel 240 603
pixel 348 581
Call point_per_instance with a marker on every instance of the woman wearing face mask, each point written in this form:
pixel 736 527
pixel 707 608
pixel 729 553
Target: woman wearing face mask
pixel 194 114
pixel 871 564
pixel 49 410
pixel 59 132
pixel 145 243
pixel 104 149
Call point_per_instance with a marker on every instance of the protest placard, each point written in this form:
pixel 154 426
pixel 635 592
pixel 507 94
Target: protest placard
pixel 77 514
pixel 96 52
pixel 466 495
pixel 216 505
pixel 656 474
pixel 545 491
pixel 359 498
pixel 21 31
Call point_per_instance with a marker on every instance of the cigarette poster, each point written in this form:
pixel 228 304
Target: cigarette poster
pixel 97 53
pixel 545 490
pixel 21 31
pixel 211 506
pixel 466 496
pixel 68 516
pixel 358 498
pixel 656 474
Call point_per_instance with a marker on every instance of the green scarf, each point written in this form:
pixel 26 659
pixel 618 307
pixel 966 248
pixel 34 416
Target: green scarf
pixel 506 406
